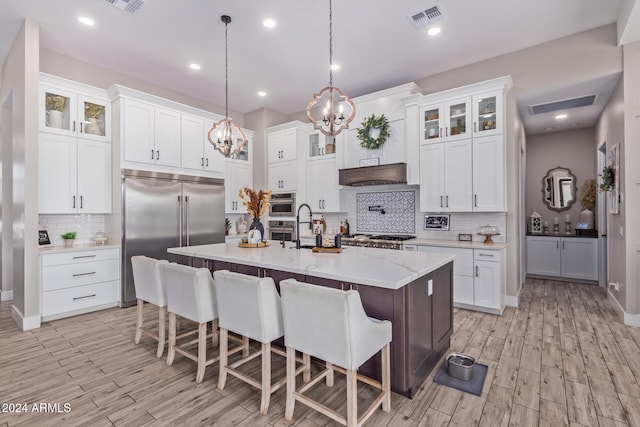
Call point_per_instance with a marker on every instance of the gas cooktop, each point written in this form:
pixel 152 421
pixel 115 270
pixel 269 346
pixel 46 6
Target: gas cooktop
pixel 386 241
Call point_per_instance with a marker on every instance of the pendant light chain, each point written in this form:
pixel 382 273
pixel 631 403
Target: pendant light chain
pixel 226 70
pixel 330 45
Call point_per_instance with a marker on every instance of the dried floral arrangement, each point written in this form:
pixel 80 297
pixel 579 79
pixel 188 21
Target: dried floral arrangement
pixel 588 194
pixel 257 203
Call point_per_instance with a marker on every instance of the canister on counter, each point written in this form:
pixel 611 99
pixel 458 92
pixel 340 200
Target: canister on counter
pixel 338 241
pixel 318 240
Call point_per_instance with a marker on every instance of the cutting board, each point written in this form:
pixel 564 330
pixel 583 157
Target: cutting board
pixel 327 250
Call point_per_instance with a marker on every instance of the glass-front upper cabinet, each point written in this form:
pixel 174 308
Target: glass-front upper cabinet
pixel 66 112
pixel 320 145
pixel 445 121
pixel 245 154
pixel 487 113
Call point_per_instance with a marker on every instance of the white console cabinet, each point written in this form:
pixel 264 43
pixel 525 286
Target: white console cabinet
pixel 79 281
pixel 563 257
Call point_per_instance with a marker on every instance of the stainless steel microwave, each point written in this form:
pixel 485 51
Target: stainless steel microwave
pixel 283 204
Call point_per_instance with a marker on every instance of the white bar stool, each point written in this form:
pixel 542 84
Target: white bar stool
pixel 250 306
pixel 332 325
pixel 149 286
pixel 190 295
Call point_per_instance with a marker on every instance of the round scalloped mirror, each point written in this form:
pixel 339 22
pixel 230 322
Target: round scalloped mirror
pixel 559 189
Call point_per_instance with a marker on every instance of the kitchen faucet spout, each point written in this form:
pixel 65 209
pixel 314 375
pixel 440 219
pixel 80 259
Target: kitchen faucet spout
pixel 298 222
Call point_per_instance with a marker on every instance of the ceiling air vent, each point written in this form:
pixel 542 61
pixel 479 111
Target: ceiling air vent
pixel 131 6
pixel 564 104
pixel 426 17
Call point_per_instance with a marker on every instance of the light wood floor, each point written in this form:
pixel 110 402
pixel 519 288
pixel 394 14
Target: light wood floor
pixel 561 358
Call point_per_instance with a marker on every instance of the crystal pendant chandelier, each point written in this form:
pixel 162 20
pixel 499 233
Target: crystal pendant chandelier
pixel 334 117
pixel 225 129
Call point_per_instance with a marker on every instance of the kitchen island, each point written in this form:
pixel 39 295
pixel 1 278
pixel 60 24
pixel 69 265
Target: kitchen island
pixel 411 289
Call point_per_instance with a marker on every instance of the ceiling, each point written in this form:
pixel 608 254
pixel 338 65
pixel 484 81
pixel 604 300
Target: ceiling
pixel 374 42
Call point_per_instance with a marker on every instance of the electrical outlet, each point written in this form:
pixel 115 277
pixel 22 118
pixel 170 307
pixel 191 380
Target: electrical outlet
pixel 621 231
pixel 430 287
pixel 615 286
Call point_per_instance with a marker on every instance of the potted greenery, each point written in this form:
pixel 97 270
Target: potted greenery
pixel 69 237
pixel 608 178
pixel 93 113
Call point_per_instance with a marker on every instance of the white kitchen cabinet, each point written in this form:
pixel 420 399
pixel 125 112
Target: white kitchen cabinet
pixel 488 174
pixel 237 175
pixel 74 175
pixel 320 145
pixel 283 176
pixel 447 120
pixel 79 281
pixel 196 151
pixel 282 146
pixel 446 180
pixel 563 257
pixel 66 110
pixel 478 276
pixel 322 185
pixel 151 134
pixel 488 113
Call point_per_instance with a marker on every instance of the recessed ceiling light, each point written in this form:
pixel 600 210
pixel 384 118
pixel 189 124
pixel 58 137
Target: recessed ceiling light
pixel 269 23
pixel 335 67
pixel 433 31
pixel 262 93
pixel 194 66
pixel 561 116
pixel 86 21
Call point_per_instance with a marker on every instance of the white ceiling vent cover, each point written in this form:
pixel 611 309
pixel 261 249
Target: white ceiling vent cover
pixel 426 17
pixel 564 104
pixel 131 6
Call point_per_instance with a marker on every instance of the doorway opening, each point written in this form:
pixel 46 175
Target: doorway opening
pixel 603 255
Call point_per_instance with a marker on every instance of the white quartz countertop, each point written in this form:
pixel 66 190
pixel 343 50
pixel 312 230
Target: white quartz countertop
pixel 384 268
pixel 455 244
pixel 76 248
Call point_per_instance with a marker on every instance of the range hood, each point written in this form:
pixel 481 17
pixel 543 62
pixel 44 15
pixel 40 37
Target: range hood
pixel 393 173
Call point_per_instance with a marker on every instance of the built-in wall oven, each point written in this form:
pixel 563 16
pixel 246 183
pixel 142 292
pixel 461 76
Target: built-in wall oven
pixel 283 204
pixel 282 230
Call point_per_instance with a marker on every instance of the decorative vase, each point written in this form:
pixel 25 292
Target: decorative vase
pixel 256 224
pixel 54 119
pixel 94 126
pixel 586 217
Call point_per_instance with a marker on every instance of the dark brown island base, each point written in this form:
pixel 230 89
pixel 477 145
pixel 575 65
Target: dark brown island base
pixel 415 293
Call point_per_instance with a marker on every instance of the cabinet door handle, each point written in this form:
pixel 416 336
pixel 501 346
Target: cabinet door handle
pixel 446 131
pixel 319 205
pixel 74 125
pixel 81 202
pixel 440 133
pixel 81 128
pixel 201 161
pixel 474 127
pixel 152 154
pixel 84 274
pixel 207 162
pixel 157 154
pixel 475 200
pixel 477 271
pixel 447 201
pixel 83 256
pixel 563 246
pixel 557 244
pixel 84 297
pixel 74 202
pixel 441 201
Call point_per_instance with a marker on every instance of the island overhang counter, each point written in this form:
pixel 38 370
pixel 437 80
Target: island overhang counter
pixel 414 290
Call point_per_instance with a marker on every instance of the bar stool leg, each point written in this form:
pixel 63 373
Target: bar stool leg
pixel 161 330
pixel 291 383
pixel 266 378
pixel 352 398
pixel 224 357
pixel 330 372
pixel 139 309
pixel 215 337
pixel 306 361
pixel 245 347
pixel 202 351
pixel 386 378
pixel 171 352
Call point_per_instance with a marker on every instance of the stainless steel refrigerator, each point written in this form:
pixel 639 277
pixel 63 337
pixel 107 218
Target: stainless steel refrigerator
pixel 161 211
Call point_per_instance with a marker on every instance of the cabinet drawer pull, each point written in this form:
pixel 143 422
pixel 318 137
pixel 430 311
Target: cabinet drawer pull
pixel 84 297
pixel 476 271
pixel 84 274
pixel 84 256
pixel 486 255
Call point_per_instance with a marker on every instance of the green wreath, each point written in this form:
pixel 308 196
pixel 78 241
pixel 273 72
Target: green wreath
pixel 364 133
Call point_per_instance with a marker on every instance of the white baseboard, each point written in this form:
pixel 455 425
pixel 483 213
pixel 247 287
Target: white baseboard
pixel 513 301
pixel 24 323
pixel 6 295
pixel 627 318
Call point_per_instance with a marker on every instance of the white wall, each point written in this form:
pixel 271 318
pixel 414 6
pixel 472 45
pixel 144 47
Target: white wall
pixel 20 91
pixel 610 130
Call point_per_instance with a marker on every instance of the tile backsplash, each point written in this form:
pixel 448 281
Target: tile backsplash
pixel 386 212
pixel 84 224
